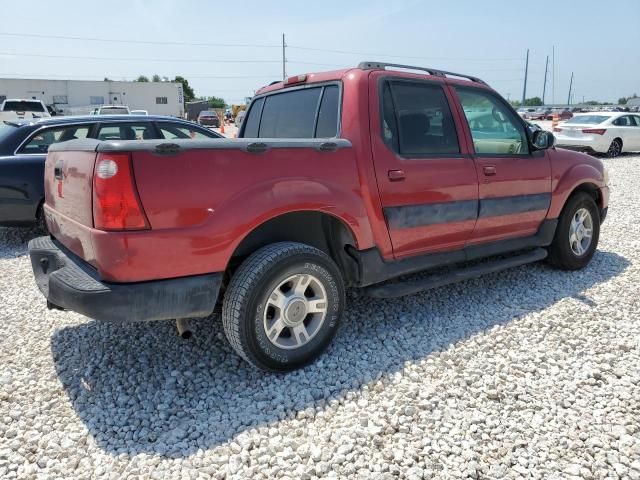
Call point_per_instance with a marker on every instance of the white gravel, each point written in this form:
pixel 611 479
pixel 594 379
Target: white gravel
pixel 531 373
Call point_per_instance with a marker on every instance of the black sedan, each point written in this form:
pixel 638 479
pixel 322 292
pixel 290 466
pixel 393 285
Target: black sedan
pixel 24 145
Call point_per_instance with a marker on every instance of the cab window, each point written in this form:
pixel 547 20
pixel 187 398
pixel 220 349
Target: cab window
pixel 40 141
pixel 494 127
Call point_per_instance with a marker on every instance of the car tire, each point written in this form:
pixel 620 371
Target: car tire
pixel 571 249
pixel 615 149
pixel 283 306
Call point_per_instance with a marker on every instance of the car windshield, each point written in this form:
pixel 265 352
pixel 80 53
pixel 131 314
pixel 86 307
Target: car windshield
pixel 22 106
pixel 589 119
pixel 6 129
pixel 113 111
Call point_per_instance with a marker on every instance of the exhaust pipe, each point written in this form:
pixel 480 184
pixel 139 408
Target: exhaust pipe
pixel 183 328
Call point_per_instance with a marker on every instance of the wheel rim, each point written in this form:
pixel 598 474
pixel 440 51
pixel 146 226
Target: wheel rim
pixel 614 149
pixel 295 311
pixel 581 231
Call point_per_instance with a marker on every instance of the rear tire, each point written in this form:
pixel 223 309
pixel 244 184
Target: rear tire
pixel 283 306
pixel 577 233
pixel 615 149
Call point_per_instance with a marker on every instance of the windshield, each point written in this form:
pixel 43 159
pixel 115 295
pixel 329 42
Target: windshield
pixel 113 111
pixel 22 106
pixel 6 129
pixel 589 119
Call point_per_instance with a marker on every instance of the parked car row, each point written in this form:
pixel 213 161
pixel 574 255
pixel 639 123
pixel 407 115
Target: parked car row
pixel 24 145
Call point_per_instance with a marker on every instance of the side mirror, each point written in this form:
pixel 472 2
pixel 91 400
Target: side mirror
pixel 541 139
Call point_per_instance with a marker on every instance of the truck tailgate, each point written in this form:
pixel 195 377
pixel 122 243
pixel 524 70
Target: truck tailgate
pixel 68 208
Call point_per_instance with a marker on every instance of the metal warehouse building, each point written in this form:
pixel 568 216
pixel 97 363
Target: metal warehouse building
pixel 77 97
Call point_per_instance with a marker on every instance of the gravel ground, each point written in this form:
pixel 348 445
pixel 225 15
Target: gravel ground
pixel 531 373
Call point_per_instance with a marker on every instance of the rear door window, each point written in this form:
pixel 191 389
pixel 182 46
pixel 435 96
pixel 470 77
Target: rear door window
pixel 127 131
pixel 23 106
pixel 417 119
pixel 40 141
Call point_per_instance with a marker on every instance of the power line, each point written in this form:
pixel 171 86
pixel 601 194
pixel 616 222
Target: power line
pixel 141 42
pixel 297 47
pixel 137 59
pixel 231 77
pixel 249 45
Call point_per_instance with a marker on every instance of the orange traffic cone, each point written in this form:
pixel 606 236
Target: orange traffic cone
pixel 554 121
pixel 222 127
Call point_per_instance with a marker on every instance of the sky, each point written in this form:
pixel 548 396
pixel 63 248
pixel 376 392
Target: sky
pixel 230 49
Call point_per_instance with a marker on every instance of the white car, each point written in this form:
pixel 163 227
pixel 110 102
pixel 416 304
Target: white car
pixel 19 109
pixel 111 110
pixel 600 132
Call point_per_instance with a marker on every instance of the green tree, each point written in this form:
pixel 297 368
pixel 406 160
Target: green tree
pixel 107 79
pixel 216 102
pixel 622 101
pixel 533 102
pixel 187 91
pixel 156 78
pixel 142 78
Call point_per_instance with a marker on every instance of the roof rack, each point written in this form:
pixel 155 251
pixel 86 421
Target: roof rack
pixel 431 71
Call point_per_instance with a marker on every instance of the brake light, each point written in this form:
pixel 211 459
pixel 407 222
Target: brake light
pixel 116 204
pixel 557 129
pixel 295 80
pixel 596 131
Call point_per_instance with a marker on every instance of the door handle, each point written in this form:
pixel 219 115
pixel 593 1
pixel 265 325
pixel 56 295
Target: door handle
pixel 396 175
pixel 57 170
pixel 489 170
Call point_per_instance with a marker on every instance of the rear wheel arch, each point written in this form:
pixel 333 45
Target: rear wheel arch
pixel 321 230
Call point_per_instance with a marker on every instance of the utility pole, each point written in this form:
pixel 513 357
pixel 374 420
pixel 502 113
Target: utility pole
pixel 570 85
pixel 544 85
pixel 284 59
pixel 526 72
pixel 553 76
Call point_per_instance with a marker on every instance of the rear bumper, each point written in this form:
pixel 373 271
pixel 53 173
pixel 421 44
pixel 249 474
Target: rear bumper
pixel 69 283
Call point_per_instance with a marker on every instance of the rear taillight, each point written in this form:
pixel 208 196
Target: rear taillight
pixel 116 204
pixel 596 131
pixel 557 129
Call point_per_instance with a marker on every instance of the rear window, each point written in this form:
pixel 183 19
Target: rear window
pixel 208 114
pixel 23 106
pixel 114 111
pixel 304 113
pixel 127 131
pixel 588 119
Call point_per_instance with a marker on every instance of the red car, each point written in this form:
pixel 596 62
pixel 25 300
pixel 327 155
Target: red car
pixel 340 179
pixel 562 115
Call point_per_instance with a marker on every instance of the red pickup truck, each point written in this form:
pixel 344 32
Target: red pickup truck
pixel 347 178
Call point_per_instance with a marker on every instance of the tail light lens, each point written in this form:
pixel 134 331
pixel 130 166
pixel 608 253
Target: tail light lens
pixel 596 131
pixel 557 129
pixel 116 204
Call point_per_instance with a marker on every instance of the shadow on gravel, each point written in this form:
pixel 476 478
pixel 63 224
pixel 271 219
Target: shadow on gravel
pixel 139 388
pixel 13 241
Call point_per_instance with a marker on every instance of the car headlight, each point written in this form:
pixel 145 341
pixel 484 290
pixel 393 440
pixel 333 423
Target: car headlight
pixel 605 175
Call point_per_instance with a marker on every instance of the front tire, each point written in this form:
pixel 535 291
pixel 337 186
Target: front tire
pixel 577 234
pixel 283 306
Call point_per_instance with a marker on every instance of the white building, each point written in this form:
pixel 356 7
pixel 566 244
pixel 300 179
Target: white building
pixel 78 97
